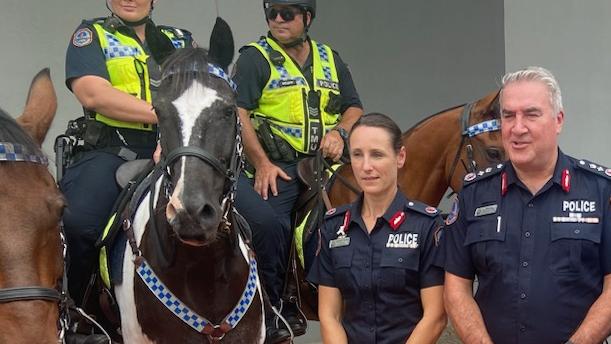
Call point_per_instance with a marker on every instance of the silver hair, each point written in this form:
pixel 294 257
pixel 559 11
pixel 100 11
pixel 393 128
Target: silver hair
pixel 540 74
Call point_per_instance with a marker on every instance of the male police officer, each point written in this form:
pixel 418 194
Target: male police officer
pixel 295 96
pixel 536 231
pixel 110 65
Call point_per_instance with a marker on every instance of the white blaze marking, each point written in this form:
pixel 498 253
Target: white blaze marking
pixel 190 105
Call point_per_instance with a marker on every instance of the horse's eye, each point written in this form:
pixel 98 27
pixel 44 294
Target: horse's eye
pixel 230 111
pixel 494 154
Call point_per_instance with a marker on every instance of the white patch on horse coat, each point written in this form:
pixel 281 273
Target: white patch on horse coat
pixel 130 327
pixel 244 250
pixel 190 105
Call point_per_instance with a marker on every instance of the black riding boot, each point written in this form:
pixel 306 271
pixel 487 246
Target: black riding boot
pixel 275 331
pixel 293 316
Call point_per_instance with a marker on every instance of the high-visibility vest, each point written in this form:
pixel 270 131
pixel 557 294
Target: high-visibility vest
pixel 126 62
pixel 284 100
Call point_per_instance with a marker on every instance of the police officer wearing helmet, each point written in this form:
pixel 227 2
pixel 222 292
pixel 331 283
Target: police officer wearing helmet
pixel 378 267
pixel 111 67
pixel 295 97
pixel 536 231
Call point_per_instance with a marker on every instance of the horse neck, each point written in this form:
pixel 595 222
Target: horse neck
pixel 430 148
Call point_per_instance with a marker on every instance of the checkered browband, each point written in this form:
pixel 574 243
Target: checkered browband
pixel 194 320
pixel 220 73
pixel 18 152
pixel 483 127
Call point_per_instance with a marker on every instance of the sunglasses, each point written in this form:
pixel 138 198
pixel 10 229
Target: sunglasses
pixel 286 13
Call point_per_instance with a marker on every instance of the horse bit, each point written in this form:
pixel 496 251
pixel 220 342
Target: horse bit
pixel 15 152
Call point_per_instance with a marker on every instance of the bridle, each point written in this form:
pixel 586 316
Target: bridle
pixel 15 152
pixel 468 132
pixel 230 172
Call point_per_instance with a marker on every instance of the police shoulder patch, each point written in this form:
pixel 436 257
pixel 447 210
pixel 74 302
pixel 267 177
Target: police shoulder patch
pixel 421 208
pixel 453 215
pixel 595 168
pixel 483 174
pixel 82 37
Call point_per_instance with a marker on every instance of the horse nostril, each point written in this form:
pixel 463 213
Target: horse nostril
pixel 170 212
pixel 207 212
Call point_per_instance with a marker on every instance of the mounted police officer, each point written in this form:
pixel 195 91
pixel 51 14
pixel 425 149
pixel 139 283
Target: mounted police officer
pixel 536 231
pixel 111 67
pixel 295 97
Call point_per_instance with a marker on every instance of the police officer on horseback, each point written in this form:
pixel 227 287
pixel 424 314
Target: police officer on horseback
pixel 111 67
pixel 295 97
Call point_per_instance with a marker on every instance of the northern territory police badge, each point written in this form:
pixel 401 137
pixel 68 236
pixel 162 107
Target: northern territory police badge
pixel 82 37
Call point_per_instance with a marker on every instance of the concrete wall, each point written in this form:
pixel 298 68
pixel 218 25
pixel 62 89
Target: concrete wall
pixel 409 58
pixel 573 40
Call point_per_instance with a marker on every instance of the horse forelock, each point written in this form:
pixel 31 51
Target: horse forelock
pixel 10 131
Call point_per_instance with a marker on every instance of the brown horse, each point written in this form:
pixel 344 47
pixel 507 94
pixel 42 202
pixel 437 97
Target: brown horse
pixel 441 149
pixel 31 263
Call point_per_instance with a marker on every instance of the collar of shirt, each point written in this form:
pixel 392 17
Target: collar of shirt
pixel 397 204
pixel 563 163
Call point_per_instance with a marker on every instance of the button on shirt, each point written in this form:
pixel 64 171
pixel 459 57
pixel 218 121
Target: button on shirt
pixel 380 274
pixel 540 260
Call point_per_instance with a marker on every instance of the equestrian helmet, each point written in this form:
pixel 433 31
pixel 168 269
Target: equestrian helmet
pixel 307 5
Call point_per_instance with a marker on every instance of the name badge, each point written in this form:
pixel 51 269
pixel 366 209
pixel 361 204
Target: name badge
pixel 339 242
pixel 487 210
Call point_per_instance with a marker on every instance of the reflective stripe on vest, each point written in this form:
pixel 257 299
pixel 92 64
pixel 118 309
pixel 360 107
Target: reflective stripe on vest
pixel 283 101
pixel 127 69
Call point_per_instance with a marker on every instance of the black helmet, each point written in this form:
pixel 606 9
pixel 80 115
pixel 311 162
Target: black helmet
pixel 308 5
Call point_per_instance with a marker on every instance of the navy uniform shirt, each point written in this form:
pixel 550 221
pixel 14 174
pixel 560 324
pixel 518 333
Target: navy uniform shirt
pixel 252 73
pixel 540 260
pixel 380 274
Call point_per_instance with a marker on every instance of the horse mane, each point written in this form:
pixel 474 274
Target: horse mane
pixel 410 130
pixel 183 67
pixel 11 131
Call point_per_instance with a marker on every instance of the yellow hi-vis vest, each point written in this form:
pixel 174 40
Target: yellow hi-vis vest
pixel 126 64
pixel 284 100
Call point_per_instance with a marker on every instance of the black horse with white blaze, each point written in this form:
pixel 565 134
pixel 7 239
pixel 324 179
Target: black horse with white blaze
pixel 190 277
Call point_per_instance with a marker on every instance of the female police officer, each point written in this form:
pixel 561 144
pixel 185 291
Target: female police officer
pixel 376 267
pixel 111 65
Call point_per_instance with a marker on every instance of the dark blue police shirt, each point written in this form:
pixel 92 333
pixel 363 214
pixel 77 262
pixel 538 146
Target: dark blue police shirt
pixel 540 260
pixel 380 284
pixel 252 72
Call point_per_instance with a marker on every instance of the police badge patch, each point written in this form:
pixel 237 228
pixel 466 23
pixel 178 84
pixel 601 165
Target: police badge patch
pixel 82 37
pixel 453 215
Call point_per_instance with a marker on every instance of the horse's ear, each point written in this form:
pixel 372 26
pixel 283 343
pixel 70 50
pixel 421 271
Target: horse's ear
pixel 221 44
pixel 40 107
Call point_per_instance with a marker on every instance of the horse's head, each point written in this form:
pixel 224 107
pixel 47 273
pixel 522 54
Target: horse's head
pixel 482 145
pixel 31 262
pixel 199 130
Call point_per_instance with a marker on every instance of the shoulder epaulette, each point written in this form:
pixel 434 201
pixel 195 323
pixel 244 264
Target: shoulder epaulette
pixel 92 21
pixel 483 174
pixel 597 169
pixel 337 211
pixel 422 208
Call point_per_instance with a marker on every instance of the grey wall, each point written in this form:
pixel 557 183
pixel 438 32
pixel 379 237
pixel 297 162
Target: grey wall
pixel 411 58
pixel 573 40
pixel 35 35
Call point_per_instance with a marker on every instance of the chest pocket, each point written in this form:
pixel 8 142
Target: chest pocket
pixel 342 269
pixel 486 240
pixel 399 269
pixel 574 247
